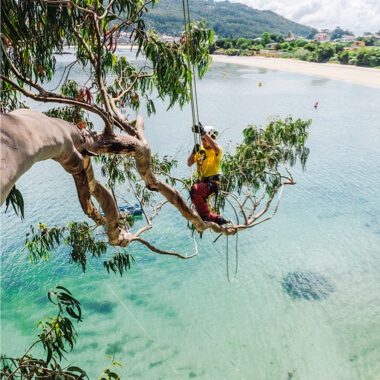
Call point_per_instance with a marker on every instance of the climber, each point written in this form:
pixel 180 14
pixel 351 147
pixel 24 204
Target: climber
pixel 208 157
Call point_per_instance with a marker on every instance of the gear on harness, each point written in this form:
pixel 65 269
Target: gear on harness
pixel 207 157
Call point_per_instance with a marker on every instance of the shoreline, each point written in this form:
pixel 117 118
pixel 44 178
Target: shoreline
pixel 358 75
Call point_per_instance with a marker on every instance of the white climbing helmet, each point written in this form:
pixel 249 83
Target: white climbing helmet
pixel 211 131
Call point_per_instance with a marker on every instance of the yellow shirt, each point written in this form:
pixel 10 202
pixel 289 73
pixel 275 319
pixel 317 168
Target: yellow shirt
pixel 211 162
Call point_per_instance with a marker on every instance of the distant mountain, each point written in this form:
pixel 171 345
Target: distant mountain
pixel 224 17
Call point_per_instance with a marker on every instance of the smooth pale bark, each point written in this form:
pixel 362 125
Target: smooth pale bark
pixel 29 136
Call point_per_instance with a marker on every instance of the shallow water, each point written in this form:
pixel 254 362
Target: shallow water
pixel 169 318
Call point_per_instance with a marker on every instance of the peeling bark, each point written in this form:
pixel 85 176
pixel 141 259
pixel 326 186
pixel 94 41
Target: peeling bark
pixel 28 137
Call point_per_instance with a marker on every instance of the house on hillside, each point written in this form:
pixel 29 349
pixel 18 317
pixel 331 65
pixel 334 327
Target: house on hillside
pixel 375 36
pixel 272 45
pixel 322 37
pixel 347 38
pixel 359 43
pixel 165 38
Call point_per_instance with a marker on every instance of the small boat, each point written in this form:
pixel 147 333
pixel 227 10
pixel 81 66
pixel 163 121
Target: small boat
pixel 131 210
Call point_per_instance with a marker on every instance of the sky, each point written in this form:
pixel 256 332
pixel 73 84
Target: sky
pixel 359 16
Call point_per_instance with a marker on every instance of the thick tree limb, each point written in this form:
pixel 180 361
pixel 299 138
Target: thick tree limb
pixel 29 136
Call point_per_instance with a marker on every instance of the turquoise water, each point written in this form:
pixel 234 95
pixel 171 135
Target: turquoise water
pixel 170 318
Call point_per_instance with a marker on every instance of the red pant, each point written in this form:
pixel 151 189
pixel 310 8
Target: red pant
pixel 198 194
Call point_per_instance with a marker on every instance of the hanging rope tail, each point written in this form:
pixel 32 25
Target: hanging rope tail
pixel 236 251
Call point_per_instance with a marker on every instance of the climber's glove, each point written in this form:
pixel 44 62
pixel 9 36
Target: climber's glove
pixel 198 129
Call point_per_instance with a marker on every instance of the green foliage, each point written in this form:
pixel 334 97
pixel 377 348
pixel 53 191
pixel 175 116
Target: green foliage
pixel 119 263
pixel 121 169
pixel 339 48
pixel 368 41
pixel 42 241
pixel 310 46
pixel 265 39
pixel 287 55
pixel 367 57
pixel 164 167
pixel 25 23
pixel 301 43
pixel 344 57
pixel 278 46
pixel 224 17
pixel 334 59
pixel 232 52
pixel 82 241
pixel 323 52
pixel 375 59
pixel 16 199
pixel 339 33
pixel 352 60
pixel 75 115
pixel 273 37
pixel 57 337
pixel 245 53
pixel 9 99
pixel 257 162
pixel 302 54
pixel 247 45
pixel 242 42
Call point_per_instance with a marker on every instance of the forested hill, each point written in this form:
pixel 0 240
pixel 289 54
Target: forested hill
pixel 224 17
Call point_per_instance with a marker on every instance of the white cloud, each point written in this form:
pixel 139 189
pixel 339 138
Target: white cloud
pixel 358 16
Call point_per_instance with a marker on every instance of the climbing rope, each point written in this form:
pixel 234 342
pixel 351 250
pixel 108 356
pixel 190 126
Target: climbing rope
pixel 191 69
pixel 236 249
pixel 188 311
pixel 237 260
pixel 138 323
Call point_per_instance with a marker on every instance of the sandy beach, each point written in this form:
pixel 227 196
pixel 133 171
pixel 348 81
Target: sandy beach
pixel 360 75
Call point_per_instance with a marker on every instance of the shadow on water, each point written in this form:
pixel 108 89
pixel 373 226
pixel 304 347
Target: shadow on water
pixel 307 285
pixel 101 307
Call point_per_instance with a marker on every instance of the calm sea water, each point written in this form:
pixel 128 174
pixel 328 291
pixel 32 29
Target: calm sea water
pixel 170 318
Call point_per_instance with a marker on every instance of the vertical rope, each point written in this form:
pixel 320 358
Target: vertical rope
pixel 190 68
pixel 236 249
pixel 193 69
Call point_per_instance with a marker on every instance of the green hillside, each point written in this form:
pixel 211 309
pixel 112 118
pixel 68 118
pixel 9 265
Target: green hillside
pixel 224 17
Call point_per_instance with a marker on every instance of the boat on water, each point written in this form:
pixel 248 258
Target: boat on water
pixel 131 210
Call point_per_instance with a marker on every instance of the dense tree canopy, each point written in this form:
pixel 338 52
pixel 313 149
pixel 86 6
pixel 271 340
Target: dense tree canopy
pixel 254 173
pixel 65 134
pixel 226 18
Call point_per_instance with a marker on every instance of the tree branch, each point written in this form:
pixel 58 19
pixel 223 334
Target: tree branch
pixel 49 97
pixel 154 249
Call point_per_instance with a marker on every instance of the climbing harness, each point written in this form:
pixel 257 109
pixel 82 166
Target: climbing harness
pixel 197 138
